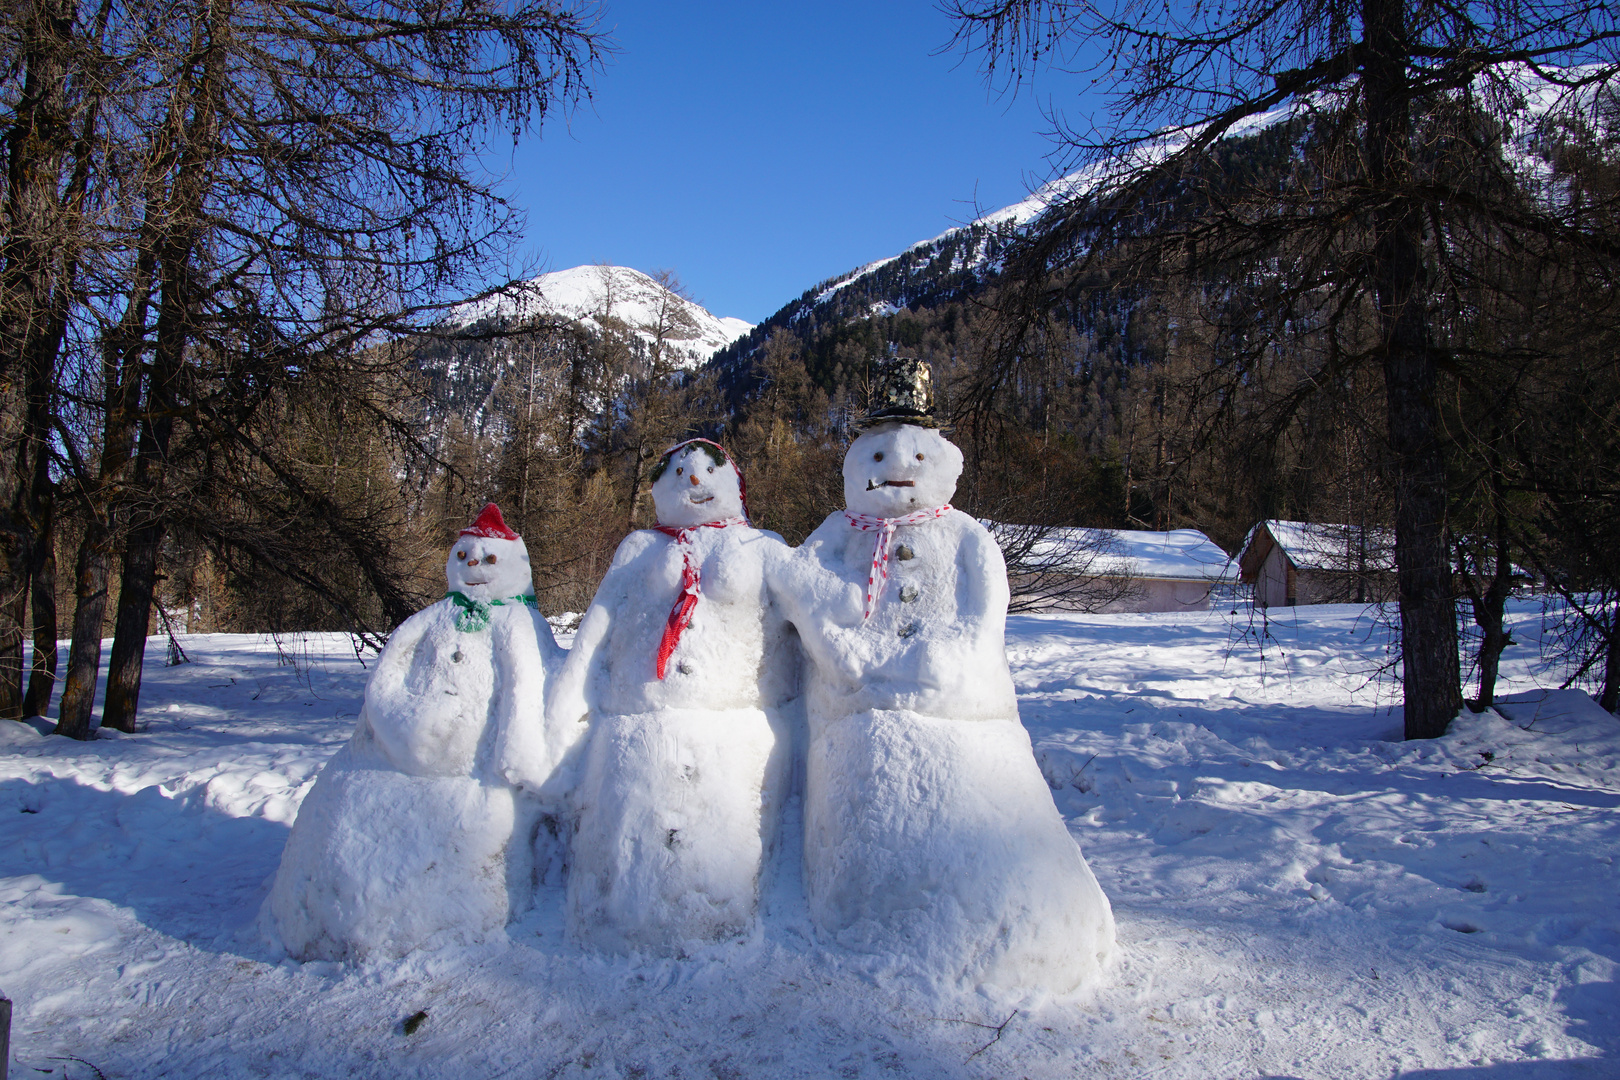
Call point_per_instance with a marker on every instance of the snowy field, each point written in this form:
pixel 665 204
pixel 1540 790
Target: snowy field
pixel 1299 894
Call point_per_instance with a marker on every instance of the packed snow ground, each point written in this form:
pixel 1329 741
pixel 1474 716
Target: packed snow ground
pixel 1299 894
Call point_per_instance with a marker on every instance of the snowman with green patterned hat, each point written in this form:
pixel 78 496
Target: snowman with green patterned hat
pixel 674 693
pixel 413 835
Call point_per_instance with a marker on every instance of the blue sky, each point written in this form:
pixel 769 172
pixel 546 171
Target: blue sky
pixel 758 148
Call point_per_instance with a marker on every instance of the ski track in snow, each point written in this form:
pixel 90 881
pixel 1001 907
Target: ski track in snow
pixel 1299 894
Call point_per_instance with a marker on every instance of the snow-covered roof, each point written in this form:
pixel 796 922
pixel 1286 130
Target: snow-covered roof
pixel 1180 554
pixel 1319 546
pixel 585 293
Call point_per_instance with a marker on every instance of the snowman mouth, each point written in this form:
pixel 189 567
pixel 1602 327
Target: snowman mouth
pixel 480 581
pixel 700 502
pixel 870 486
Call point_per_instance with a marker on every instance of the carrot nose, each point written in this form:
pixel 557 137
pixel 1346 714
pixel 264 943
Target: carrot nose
pixel 694 479
pixel 472 562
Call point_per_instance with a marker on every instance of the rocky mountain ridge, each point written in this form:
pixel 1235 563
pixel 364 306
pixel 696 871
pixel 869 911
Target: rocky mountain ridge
pixel 599 297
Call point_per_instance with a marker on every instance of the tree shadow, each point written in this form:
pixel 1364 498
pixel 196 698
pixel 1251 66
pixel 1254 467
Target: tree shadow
pixel 1568 1069
pixel 179 865
pixel 1593 1009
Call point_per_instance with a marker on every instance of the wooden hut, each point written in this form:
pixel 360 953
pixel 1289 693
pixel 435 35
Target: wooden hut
pixel 1298 562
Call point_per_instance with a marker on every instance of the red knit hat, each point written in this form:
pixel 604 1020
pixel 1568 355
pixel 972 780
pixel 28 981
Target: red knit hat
pixel 491 525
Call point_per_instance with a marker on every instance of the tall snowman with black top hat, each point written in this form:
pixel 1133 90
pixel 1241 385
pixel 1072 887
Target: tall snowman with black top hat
pixel 672 691
pixel 412 835
pixel 931 838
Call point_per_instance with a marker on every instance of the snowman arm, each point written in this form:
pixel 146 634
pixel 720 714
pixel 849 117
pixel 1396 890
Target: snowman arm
pixel 387 679
pixel 825 610
pixel 985 592
pixel 567 704
pixel 566 709
pixel 524 655
pixel 551 653
pixel 845 650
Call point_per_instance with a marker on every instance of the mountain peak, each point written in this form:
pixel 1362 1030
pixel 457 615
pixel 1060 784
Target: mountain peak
pixel 599 296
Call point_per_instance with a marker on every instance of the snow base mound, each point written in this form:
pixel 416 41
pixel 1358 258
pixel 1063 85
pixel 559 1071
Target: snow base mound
pixel 676 810
pixel 935 843
pixel 380 864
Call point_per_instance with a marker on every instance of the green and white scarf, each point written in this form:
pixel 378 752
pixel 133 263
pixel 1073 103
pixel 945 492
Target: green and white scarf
pixel 474 614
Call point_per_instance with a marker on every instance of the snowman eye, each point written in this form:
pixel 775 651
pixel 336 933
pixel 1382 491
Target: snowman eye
pixel 679 471
pixel 878 456
pixel 461 554
pixel 919 457
pixel 711 468
pixel 489 558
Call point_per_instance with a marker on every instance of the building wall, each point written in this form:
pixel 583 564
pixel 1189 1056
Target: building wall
pixel 1147 594
pixel 1271 584
pixel 1271 587
pixel 1164 594
pixel 1343 587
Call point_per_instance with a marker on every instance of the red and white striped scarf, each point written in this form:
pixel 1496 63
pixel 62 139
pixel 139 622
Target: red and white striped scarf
pixel 884 527
pixel 680 616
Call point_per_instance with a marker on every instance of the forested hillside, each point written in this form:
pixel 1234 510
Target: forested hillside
pixel 1096 430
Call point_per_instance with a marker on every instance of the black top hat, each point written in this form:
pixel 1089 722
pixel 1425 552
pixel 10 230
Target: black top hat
pixel 902 393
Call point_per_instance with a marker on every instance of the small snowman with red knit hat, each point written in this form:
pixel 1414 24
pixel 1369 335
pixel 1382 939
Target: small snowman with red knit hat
pixel 931 840
pixel 411 835
pixel 672 692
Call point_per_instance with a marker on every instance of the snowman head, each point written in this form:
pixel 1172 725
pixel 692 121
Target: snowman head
pixel 896 469
pixel 488 561
pixel 695 482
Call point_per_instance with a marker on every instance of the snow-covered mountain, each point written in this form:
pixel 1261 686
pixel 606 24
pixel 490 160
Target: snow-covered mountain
pixel 960 262
pixel 618 296
pixel 462 370
pixel 979 253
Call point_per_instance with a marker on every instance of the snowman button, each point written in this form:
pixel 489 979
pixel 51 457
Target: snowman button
pixel 904 553
pixel 908 594
pixel 684 668
pixel 908 629
pixel 456 657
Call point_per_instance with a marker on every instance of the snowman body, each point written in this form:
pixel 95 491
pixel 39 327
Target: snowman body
pixel 931 838
pixel 410 836
pixel 679 778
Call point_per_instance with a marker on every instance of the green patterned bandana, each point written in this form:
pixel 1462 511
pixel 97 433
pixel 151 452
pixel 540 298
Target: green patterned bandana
pixel 474 614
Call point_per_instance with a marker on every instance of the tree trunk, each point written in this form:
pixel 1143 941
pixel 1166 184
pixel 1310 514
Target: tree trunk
pixel 84 653
pixel 35 145
pixel 176 306
pixel 139 581
pixel 37 499
pixel 1489 615
pixel 1431 679
pixel 635 486
pixel 135 594
pixel 42 675
pixel 1610 698
pixel 1490 610
pixel 15 544
pixel 42 246
pixel 121 374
